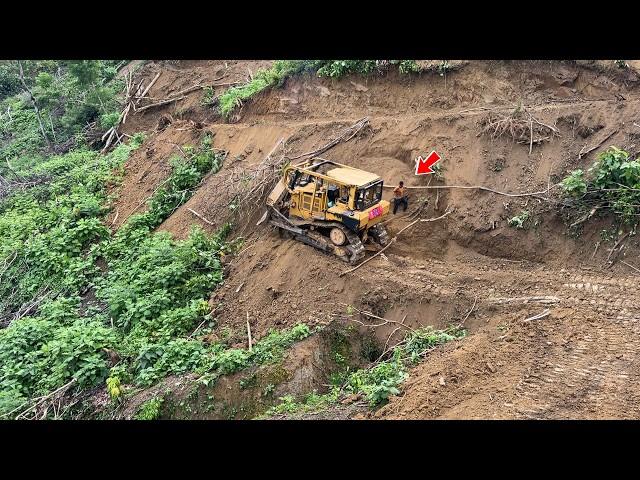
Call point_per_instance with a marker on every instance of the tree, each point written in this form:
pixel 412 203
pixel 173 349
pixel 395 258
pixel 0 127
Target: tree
pixel 34 103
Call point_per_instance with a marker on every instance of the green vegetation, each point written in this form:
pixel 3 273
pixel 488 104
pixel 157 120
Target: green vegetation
pixel 73 103
pixel 217 360
pixel 377 383
pixel 274 76
pixel 282 69
pixel 438 171
pixel 208 97
pixel 150 410
pixel 611 185
pixel 150 291
pixel 519 221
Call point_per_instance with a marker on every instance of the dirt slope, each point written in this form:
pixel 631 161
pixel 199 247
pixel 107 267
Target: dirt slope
pixel 576 362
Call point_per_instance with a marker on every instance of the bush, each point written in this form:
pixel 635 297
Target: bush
pixel 612 184
pixel 150 410
pixel 574 185
pixel 38 355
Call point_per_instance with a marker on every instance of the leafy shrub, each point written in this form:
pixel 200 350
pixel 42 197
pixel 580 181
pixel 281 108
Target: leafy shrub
pixel 574 185
pixel 208 97
pixel 108 120
pixel 36 355
pixel 379 382
pixel 422 340
pixel 114 388
pixel 176 356
pixel 408 66
pixel 271 347
pixel 150 410
pixel 612 184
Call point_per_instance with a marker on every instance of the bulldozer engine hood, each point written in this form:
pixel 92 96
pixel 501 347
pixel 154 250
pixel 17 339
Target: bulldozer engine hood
pixel 359 220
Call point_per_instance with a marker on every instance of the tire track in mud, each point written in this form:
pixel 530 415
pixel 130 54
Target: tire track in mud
pixel 591 375
pixel 580 362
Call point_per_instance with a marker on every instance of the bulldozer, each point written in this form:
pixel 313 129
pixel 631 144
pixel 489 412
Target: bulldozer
pixel 330 206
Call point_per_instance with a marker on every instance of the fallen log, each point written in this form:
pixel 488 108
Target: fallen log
pixel 159 104
pixel 146 90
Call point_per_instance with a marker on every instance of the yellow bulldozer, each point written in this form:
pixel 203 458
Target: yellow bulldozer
pixel 333 207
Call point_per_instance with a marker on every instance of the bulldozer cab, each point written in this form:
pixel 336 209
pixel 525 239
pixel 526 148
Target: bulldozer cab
pixel 323 186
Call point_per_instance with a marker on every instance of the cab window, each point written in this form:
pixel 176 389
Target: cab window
pixel 368 197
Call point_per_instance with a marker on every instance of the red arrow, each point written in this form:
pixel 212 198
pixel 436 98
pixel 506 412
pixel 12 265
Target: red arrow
pixel 423 167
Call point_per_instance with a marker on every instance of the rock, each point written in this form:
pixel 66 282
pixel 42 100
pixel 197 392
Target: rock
pixel 442 382
pixel 491 368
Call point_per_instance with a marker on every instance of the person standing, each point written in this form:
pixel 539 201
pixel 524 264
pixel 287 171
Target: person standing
pixel 400 197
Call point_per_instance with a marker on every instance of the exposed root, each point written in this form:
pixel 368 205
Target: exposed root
pixel 520 125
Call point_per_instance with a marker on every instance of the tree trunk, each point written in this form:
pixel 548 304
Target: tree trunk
pixel 35 105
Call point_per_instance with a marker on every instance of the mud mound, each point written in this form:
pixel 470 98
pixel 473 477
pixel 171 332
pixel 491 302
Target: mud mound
pixel 578 362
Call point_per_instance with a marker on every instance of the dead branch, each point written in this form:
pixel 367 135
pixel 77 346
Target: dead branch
pixel 616 246
pixel 386 348
pixel 28 307
pixel 475 300
pixel 519 125
pixel 477 187
pixel 9 186
pixel 146 90
pixel 344 137
pixel 630 266
pixel 584 218
pixel 159 104
pixel 198 328
pixel 542 299
pixel 40 401
pixel 385 321
pixel 582 154
pixel 539 316
pixel 201 217
pixel 249 333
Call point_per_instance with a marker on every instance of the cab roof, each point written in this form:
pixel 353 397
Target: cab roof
pixel 352 176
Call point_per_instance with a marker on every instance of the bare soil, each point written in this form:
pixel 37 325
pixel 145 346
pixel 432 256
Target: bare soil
pixel 579 361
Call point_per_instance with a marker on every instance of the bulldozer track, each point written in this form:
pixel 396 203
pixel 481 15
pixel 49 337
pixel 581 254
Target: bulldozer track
pixel 582 359
pixel 592 371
